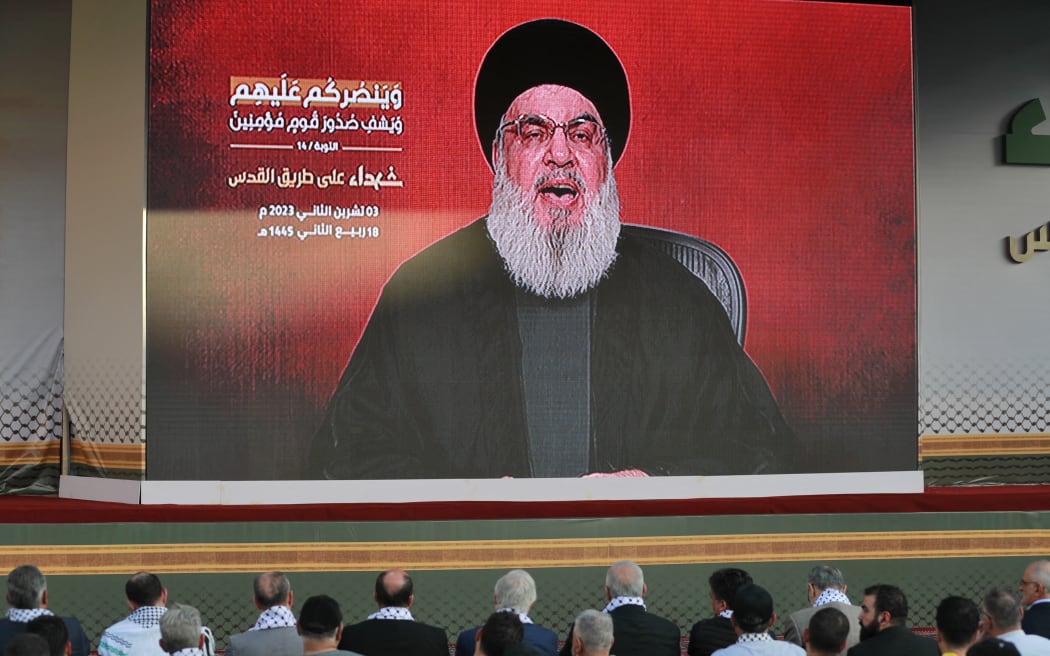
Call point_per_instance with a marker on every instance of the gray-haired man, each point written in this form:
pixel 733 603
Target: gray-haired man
pixel 27 600
pixel 638 632
pixel 1001 618
pixel 515 592
pixel 180 631
pixel 592 634
pixel 826 588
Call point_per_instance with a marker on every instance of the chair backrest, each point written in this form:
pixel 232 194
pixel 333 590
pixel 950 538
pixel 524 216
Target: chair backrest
pixel 707 262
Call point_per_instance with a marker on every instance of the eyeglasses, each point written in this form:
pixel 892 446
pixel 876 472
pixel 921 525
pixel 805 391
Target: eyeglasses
pixel 535 130
pixel 1024 583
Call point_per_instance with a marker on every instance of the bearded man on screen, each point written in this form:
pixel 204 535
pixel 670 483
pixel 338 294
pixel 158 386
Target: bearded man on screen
pixel 542 340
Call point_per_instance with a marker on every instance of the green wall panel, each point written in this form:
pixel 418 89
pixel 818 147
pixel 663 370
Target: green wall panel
pixel 961 553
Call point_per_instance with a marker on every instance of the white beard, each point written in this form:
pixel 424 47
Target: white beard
pixel 559 261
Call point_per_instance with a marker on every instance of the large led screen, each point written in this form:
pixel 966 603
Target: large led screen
pixel 339 285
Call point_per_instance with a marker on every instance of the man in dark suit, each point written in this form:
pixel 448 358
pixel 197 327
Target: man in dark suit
pixel 1035 596
pixel 709 635
pixel 392 631
pixel 637 632
pixel 515 592
pixel 884 626
pixel 27 599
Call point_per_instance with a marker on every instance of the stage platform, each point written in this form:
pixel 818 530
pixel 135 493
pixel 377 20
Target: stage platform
pixel 52 510
pixel 935 543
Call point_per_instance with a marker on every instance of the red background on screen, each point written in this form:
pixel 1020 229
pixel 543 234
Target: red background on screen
pixel 781 131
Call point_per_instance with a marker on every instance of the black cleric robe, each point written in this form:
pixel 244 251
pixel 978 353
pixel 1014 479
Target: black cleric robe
pixel 434 388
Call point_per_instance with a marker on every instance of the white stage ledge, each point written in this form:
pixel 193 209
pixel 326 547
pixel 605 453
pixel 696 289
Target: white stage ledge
pixel 521 489
pixel 87 488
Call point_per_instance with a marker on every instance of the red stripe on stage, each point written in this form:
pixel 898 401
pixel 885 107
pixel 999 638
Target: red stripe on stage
pixel 51 510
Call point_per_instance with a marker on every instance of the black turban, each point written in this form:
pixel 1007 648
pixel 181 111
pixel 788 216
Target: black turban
pixel 552 51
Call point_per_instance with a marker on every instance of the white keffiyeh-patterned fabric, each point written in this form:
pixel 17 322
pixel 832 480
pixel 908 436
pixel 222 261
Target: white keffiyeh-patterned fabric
pixel 830 595
pixel 147 616
pixel 754 637
pixel 274 617
pixel 26 615
pixel 624 601
pixel 391 613
pixel 521 616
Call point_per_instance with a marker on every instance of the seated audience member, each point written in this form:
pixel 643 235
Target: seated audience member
pixel 957 623
pixel 391 630
pixel 274 632
pixel 827 633
pixel 53 630
pixel 321 626
pixel 752 617
pixel 180 631
pixel 515 592
pixel 500 632
pixel 884 626
pixel 27 644
pixel 993 647
pixel 592 634
pixel 138 634
pixel 1035 595
pixel 709 635
pixel 827 589
pixel 1001 618
pixel 27 600
pixel 638 632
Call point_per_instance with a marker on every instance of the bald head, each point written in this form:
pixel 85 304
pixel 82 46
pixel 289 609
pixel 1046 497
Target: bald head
pixel 145 589
pixel 394 588
pixel 272 589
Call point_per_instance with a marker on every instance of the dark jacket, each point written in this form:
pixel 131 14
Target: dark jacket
pixel 394 638
pixel 77 638
pixel 637 632
pixel 434 387
pixel 895 641
pixel 1036 620
pixel 541 638
pixel 710 635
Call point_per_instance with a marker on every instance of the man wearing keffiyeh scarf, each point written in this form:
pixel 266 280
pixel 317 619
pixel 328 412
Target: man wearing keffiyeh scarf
pixel 274 632
pixel 515 592
pixel 138 634
pixel 392 630
pixel 826 588
pixel 638 632
pixel 752 620
pixel 27 600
